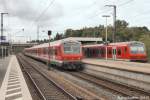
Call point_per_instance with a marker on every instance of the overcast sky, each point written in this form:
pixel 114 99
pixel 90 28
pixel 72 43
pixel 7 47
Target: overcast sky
pixel 59 15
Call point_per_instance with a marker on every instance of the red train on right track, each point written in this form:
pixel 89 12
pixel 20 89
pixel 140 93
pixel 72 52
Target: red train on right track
pixel 129 51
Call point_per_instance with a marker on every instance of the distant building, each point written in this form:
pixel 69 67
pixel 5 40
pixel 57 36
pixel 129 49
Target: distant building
pixel 18 47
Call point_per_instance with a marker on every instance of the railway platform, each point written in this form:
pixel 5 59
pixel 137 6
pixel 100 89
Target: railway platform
pixel 130 73
pixel 14 86
pixel 3 67
pixel 122 65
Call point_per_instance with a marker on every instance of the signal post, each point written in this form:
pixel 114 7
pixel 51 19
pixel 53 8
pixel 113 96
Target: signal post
pixel 48 63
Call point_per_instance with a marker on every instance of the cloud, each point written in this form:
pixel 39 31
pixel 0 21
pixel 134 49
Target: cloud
pixel 30 10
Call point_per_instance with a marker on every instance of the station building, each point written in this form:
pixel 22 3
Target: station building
pixel 19 47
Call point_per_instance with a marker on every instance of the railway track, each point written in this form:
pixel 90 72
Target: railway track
pixel 77 91
pixel 34 90
pixel 118 88
pixel 46 88
pixel 115 88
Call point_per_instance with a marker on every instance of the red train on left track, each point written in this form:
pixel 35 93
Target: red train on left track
pixel 62 53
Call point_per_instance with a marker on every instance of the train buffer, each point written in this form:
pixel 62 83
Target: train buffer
pixel 14 86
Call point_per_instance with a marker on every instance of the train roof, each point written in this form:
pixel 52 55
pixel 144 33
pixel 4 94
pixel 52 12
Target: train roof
pixel 92 45
pixel 118 43
pixel 127 43
pixel 54 43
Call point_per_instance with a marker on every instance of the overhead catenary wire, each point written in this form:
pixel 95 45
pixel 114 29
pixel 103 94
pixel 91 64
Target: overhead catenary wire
pixel 138 16
pixel 119 5
pixel 44 11
pixel 97 14
pixel 125 3
pixel 42 14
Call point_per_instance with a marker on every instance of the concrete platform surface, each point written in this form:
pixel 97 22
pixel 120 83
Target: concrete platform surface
pixel 3 67
pixel 123 65
pixel 14 86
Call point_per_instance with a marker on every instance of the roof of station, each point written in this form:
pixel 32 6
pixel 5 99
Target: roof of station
pixel 75 39
pixel 118 43
pixel 85 39
pixel 54 43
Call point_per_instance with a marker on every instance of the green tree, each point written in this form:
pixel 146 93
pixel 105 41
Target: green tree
pixel 146 40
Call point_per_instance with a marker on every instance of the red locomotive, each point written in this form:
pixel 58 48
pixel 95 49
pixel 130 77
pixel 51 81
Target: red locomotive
pixel 130 51
pixel 63 53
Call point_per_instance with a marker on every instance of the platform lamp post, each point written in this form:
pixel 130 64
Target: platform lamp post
pixel 106 43
pixel 49 35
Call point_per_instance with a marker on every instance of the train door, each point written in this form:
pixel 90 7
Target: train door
pixel 114 53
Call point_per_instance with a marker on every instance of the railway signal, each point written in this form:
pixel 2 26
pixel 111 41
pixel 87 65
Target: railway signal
pixel 49 35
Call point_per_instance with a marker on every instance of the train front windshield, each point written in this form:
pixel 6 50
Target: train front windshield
pixel 72 48
pixel 137 48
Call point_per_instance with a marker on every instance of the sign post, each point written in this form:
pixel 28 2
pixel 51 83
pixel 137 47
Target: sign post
pixel 106 16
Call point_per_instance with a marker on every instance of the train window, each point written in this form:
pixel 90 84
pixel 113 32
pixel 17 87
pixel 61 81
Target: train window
pixel 56 51
pixel 109 52
pixel 51 51
pixel 137 48
pixel 134 49
pixel 76 49
pixel 71 48
pixel 119 52
pixel 141 49
pixel 67 49
pixel 97 51
pixel 44 51
pixel 102 51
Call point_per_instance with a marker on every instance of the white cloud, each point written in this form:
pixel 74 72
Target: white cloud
pixel 63 14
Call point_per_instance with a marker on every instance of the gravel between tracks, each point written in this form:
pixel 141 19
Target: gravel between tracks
pixel 60 78
pixel 69 86
pixel 48 88
pixel 33 91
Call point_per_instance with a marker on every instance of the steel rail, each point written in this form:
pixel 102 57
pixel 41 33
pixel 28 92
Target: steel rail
pixel 127 86
pixel 32 80
pixel 50 80
pixel 96 80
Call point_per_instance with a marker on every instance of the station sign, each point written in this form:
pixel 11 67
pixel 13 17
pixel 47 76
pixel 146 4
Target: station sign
pixel 3 38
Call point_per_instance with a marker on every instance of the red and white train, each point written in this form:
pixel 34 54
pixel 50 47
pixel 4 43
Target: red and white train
pixel 62 53
pixel 130 51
